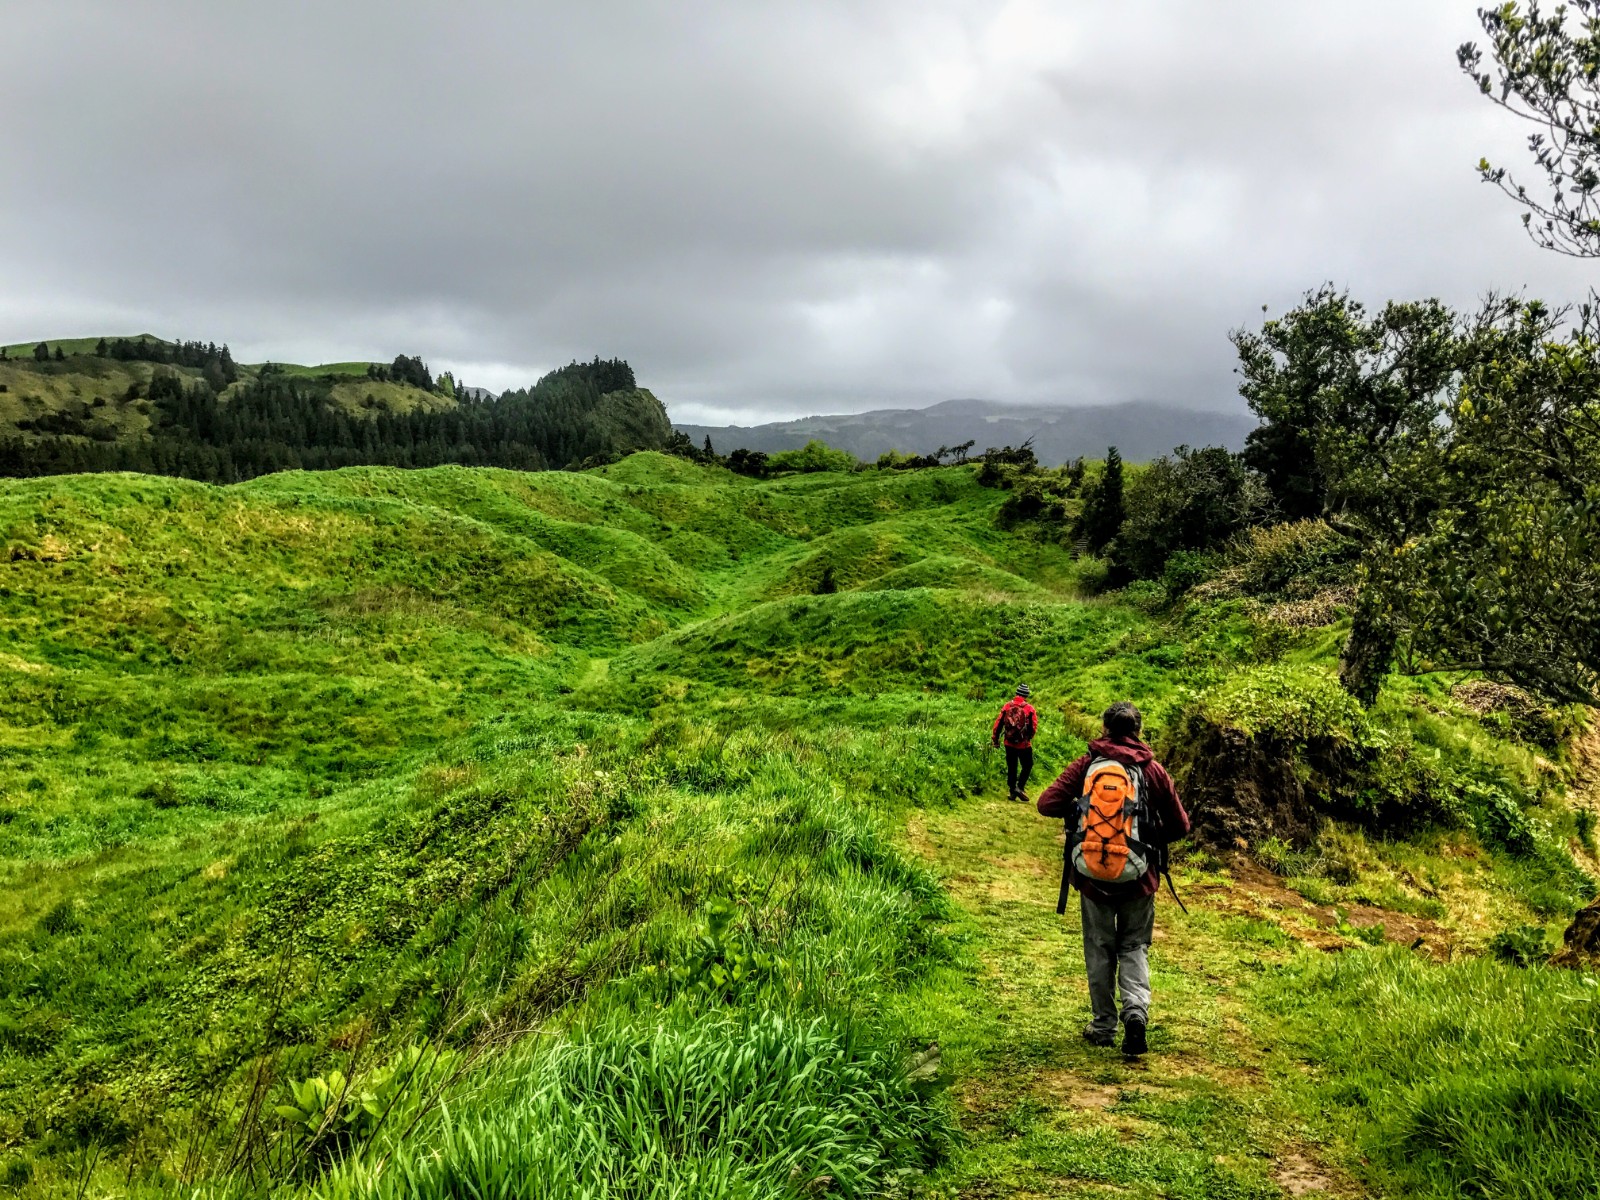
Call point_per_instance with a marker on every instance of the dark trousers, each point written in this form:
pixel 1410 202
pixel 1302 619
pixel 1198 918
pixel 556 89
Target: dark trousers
pixel 1019 765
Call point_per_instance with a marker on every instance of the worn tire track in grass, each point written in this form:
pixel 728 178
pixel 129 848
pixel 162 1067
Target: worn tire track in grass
pixel 1046 1114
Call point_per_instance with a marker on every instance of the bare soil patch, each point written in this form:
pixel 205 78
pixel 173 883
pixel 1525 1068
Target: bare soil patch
pixel 1297 1175
pixel 1257 892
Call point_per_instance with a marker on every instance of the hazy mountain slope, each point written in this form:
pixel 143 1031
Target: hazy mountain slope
pixel 1140 429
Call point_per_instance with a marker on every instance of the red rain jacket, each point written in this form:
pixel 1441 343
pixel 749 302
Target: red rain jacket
pixel 1027 710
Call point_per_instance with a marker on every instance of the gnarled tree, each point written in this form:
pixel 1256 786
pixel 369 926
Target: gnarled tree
pixel 1505 576
pixel 1350 407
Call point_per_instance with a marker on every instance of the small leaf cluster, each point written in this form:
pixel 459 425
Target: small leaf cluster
pixel 335 1105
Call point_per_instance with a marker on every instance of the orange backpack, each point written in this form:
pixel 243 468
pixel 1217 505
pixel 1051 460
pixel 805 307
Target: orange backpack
pixel 1106 845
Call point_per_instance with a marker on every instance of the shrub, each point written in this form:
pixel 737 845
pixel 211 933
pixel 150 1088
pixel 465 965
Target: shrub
pixel 813 456
pixel 1292 559
pixel 1046 497
pixel 1190 500
pixel 1521 947
pixel 1186 569
pixel 1271 750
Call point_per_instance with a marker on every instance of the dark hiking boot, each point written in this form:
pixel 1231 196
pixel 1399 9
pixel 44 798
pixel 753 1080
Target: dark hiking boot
pixel 1022 797
pixel 1133 1042
pixel 1096 1038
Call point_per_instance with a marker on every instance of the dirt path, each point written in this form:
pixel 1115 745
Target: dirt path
pixel 1048 1115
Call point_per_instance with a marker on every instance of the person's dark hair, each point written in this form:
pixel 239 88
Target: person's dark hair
pixel 1122 720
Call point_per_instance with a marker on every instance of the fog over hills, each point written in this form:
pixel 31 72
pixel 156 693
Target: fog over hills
pixel 1140 429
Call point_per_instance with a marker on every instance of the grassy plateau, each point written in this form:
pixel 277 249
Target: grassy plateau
pixel 633 833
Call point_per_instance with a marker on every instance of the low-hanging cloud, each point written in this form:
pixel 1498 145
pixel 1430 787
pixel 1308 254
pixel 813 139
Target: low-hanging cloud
pixel 770 209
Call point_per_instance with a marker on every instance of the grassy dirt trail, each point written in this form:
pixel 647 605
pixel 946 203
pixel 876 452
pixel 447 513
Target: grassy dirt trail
pixel 1046 1114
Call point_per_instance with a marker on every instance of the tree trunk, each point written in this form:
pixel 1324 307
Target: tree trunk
pixel 1368 651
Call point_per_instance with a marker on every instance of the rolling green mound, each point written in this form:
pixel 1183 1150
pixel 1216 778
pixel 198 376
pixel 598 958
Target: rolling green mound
pixel 632 832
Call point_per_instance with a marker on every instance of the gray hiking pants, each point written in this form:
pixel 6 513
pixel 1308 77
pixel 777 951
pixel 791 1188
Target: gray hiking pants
pixel 1116 944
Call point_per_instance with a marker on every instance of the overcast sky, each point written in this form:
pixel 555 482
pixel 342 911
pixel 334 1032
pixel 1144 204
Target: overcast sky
pixel 769 208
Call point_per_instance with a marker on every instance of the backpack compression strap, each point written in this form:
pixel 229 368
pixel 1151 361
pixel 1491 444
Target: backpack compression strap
pixel 1066 854
pixel 1164 868
pixel 1066 874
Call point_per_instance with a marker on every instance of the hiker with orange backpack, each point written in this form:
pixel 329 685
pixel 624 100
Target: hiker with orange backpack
pixel 1017 723
pixel 1122 811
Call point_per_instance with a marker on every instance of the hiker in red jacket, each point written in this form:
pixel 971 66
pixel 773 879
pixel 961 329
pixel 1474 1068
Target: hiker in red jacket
pixel 1017 723
pixel 1122 811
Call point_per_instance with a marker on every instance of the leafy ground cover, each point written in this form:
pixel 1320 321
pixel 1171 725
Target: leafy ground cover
pixel 630 833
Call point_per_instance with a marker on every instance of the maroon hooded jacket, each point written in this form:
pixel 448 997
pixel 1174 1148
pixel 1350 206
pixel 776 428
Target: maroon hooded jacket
pixel 1168 820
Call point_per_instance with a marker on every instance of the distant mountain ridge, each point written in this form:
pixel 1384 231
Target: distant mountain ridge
pixel 1140 429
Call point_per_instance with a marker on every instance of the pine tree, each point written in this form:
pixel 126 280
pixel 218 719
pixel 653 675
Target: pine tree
pixel 1103 510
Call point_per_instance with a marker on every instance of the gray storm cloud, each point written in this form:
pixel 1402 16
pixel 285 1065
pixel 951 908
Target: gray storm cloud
pixel 770 209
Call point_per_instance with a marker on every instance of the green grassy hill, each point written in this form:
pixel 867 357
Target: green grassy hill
pixel 187 409
pixel 630 832
pixel 75 346
pixel 109 395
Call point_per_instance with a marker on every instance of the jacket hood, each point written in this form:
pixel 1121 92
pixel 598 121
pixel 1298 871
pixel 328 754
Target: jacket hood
pixel 1130 751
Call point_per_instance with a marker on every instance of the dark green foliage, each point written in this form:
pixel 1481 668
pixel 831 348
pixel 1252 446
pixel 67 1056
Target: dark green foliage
pixel 198 355
pixel 41 352
pixel 682 446
pixel 1505 576
pixel 603 375
pixel 1191 500
pixel 752 463
pixel 1103 511
pixel 1290 560
pixel 1046 498
pixel 1350 405
pixel 411 370
pixel 1524 946
pixel 1185 569
pixel 895 460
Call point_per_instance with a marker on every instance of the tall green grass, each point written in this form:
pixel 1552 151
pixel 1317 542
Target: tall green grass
pixel 713 1105
pixel 1469 1079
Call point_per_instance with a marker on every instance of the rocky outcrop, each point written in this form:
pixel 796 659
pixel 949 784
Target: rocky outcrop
pixel 1580 945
